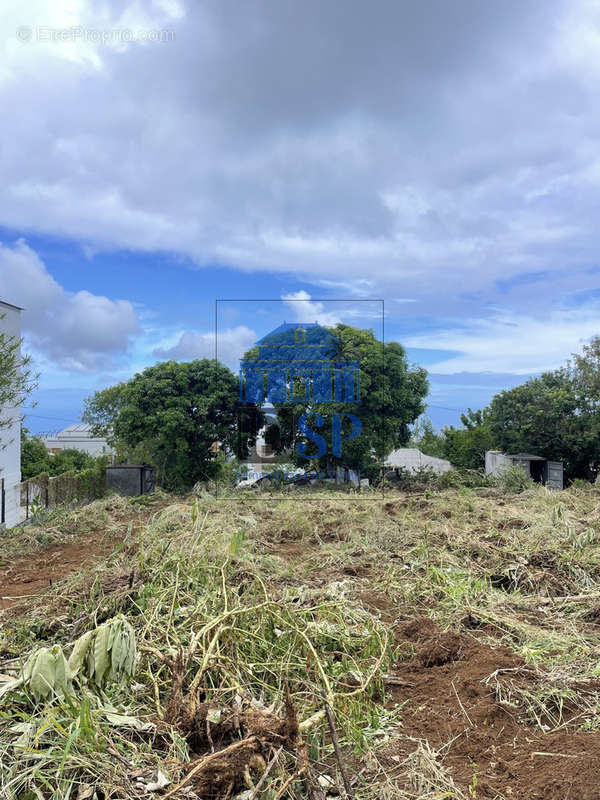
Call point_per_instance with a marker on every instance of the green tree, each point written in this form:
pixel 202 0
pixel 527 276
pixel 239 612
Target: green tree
pixel 176 413
pixel 427 439
pixel 391 398
pixel 555 415
pixel 35 457
pixel 17 380
pixel 549 417
pixel 465 447
pixel 71 460
pixel 101 410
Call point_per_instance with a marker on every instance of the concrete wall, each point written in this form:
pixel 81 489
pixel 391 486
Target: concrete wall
pixel 10 438
pixel 496 461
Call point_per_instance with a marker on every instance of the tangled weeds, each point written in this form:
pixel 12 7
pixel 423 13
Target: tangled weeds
pixel 454 636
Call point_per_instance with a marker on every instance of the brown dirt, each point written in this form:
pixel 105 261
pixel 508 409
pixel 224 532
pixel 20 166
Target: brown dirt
pixel 448 703
pixel 31 574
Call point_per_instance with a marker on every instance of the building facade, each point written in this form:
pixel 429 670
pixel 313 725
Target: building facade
pixel 10 437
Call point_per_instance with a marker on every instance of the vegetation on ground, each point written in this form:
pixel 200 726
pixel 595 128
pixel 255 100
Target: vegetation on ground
pixel 434 624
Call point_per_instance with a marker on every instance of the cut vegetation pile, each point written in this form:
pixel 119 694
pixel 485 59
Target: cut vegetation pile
pixel 432 645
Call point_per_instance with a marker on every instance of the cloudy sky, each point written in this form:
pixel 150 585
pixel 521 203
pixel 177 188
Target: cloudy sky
pixel 157 155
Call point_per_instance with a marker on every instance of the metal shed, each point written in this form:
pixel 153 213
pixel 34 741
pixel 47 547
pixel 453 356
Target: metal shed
pixel 541 470
pixel 130 479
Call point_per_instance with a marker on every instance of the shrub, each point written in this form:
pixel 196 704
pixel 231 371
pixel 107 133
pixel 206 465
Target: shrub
pixel 463 478
pixel 404 478
pixel 514 479
pixel 581 483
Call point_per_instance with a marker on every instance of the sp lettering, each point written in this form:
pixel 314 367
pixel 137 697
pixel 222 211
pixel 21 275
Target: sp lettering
pixel 317 421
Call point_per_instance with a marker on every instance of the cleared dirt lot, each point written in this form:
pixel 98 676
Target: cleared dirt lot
pixel 454 634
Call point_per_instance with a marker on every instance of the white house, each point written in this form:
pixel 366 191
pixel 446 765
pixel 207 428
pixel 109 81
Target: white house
pixel 412 459
pixel 10 437
pixel 78 437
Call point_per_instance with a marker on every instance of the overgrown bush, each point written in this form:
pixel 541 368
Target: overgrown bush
pixel 581 483
pixel 403 478
pixel 408 480
pixel 514 479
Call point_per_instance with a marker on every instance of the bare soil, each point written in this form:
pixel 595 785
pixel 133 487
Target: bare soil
pixel 445 682
pixel 31 575
pixel 28 576
pixel 449 700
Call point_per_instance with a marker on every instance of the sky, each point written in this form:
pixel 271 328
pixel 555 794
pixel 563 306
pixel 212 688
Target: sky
pixel 159 155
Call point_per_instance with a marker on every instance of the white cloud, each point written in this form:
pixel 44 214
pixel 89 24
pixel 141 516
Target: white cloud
pixel 512 343
pixel 457 154
pixel 459 150
pixel 307 310
pixel 231 344
pixel 78 332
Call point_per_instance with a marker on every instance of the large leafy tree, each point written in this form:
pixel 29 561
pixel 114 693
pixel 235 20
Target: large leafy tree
pixel 555 415
pixel 174 414
pixel 103 408
pixel 392 396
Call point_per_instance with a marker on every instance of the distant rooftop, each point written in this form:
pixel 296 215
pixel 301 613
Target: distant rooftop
pixel 77 427
pixel 79 430
pixel 527 456
pixel 10 305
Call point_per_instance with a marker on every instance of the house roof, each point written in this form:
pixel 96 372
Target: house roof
pixel 79 431
pixel 527 457
pixel 77 427
pixel 10 305
pixel 412 458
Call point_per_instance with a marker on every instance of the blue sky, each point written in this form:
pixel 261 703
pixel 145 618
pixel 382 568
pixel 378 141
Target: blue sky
pixel 171 298
pixel 443 156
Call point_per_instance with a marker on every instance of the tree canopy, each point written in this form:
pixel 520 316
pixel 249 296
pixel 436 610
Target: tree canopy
pixel 555 415
pixel 36 459
pixel 392 396
pixel 174 415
